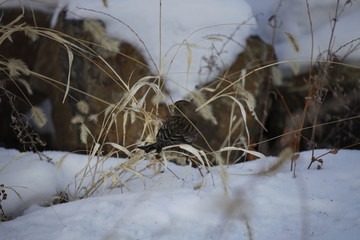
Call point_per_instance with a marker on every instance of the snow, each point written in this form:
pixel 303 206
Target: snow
pixel 193 31
pixel 317 204
pixel 292 17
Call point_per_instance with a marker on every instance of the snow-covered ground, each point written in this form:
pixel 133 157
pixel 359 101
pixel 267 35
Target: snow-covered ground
pixel 317 204
pixel 203 33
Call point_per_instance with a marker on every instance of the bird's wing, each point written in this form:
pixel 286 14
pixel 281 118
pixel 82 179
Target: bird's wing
pixel 177 129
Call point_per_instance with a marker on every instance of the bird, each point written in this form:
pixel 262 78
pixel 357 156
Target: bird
pixel 179 128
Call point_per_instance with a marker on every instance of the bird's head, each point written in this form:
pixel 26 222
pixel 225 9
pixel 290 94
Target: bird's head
pixel 183 108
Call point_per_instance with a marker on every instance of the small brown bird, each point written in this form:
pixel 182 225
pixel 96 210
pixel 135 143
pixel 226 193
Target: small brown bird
pixel 178 129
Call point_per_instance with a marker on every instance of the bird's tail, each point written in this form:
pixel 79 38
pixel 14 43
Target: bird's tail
pixel 148 148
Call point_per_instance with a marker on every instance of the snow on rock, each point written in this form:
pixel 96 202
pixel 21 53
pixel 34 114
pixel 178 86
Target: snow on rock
pixel 292 17
pixel 198 38
pixel 317 204
pixel 196 34
pixel 191 31
pixel 44 6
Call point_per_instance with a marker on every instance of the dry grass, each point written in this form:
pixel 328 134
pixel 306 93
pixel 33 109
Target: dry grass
pixel 92 178
pixel 130 107
pixel 3 197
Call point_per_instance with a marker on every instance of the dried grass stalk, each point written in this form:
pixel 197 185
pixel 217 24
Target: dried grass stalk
pixel 84 132
pixel 26 85
pixel 39 116
pixel 93 118
pixel 16 67
pixel 83 107
pixel 293 41
pixel 100 36
pixel 31 33
pixel 77 119
pixel 71 58
pixel 206 111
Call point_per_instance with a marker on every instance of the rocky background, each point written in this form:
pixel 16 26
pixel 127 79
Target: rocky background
pixel 325 98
